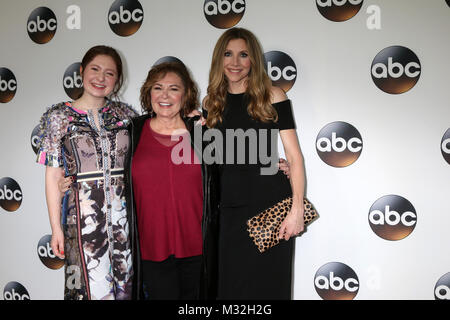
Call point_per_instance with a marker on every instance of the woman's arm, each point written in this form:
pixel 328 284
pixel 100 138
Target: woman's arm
pixel 293 224
pixel 53 197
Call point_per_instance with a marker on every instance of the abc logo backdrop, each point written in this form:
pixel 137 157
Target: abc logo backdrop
pixel 8 85
pixel 42 25
pixel 224 14
pixel 395 69
pixel 72 81
pixel 46 254
pixel 125 17
pixel 392 217
pixel 15 291
pixel 339 10
pixel 368 82
pixel 34 139
pixel 445 146
pixel 339 144
pixel 167 59
pixel 442 288
pixel 10 194
pixel 281 69
pixel 336 281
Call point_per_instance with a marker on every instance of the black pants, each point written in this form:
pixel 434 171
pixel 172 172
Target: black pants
pixel 172 279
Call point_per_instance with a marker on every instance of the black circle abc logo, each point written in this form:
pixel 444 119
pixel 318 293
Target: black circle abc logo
pixel 15 291
pixel 125 17
pixel 339 144
pixel 336 281
pixel 10 194
pixel 339 10
pixel 168 59
pixel 442 288
pixel 8 85
pixel 395 69
pixel 41 25
pixel 46 254
pixel 281 69
pixel 392 217
pixel 224 14
pixel 445 146
pixel 34 139
pixel 72 81
pixel 448 2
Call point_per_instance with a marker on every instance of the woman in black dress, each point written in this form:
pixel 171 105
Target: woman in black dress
pixel 242 102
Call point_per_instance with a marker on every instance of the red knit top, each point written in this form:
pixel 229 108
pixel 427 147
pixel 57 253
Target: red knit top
pixel 168 196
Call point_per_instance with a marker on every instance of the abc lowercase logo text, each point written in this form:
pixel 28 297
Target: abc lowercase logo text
pixel 41 25
pixel 8 85
pixel 224 14
pixel 339 144
pixel 10 194
pixel 125 17
pixel 392 217
pixel 336 281
pixel 395 69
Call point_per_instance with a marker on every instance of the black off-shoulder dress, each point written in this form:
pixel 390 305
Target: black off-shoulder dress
pixel 244 272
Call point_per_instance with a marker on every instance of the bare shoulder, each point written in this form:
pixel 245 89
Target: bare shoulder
pixel 277 94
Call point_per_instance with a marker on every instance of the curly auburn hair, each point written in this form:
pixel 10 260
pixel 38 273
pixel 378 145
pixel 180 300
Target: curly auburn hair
pixel 156 73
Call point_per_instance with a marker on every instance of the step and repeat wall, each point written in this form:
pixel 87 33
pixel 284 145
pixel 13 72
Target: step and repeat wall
pixel 369 82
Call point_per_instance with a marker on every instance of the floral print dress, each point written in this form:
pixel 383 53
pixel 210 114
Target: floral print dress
pixel 98 260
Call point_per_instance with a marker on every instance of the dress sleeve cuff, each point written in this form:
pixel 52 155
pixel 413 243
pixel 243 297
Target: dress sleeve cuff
pixel 48 159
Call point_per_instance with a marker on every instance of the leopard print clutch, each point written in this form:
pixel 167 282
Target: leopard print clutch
pixel 265 226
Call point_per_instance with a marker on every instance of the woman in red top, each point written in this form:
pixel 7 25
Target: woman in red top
pixel 167 193
pixel 168 196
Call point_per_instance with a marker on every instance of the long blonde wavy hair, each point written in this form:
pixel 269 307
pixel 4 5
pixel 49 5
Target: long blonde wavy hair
pixel 258 84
